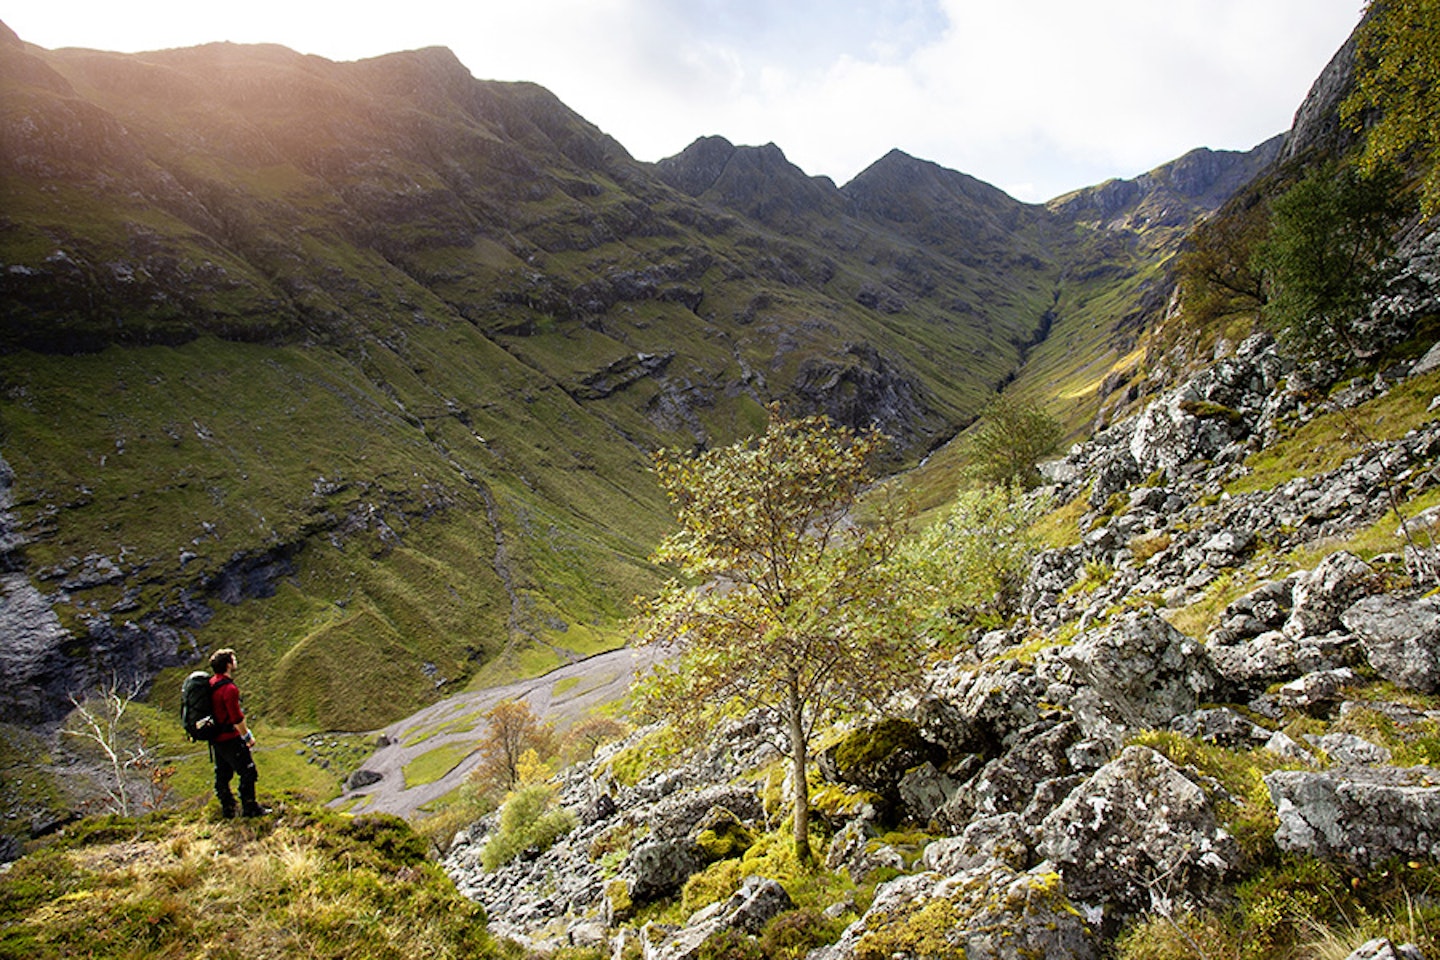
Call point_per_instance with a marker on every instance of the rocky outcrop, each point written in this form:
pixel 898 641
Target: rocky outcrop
pixel 1361 816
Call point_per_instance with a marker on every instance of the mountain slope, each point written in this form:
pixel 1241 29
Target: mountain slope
pixel 357 366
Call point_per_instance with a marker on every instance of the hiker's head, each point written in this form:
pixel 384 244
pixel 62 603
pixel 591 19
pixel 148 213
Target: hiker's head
pixel 222 660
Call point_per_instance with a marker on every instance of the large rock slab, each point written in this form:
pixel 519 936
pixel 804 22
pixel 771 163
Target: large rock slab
pixel 1143 671
pixel 1135 834
pixel 1401 638
pixel 1360 816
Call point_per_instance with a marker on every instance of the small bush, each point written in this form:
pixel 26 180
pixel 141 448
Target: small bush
pixel 526 823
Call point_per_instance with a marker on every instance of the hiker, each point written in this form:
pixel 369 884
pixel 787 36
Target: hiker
pixel 231 746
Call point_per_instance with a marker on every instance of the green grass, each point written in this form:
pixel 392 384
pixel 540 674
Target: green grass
pixel 1325 442
pixel 434 764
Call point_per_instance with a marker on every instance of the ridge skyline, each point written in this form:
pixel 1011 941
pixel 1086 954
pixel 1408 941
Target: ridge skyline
pixel 1136 87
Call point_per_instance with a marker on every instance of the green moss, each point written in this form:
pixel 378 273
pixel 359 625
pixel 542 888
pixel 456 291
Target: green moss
pixel 652 752
pixel 725 841
pixel 862 750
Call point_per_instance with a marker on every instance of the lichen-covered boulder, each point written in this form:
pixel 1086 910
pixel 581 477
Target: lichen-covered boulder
pixel 677 816
pixel 990 913
pixel 1360 816
pixel 1141 671
pixel 1222 726
pixel 1007 783
pixel 855 850
pixel 984 710
pixel 1401 638
pixel 1002 837
pixel 924 790
pixel 1137 831
pixel 659 868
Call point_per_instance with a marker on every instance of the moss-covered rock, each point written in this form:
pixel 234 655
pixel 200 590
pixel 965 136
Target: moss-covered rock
pixel 991 912
pixel 721 835
pixel 876 757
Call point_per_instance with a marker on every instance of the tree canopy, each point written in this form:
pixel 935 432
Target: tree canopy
pixel 1011 438
pixel 797 606
pixel 1322 260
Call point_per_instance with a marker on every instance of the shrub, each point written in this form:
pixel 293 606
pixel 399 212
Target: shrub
pixel 526 823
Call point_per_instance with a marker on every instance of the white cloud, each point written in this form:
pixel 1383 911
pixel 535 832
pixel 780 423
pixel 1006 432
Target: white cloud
pixel 1035 96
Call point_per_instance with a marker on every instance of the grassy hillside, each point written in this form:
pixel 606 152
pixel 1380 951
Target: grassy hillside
pixel 302 883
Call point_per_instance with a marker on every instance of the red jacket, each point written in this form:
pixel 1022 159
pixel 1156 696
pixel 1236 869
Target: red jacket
pixel 225 699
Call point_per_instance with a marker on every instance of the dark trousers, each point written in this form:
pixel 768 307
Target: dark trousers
pixel 233 757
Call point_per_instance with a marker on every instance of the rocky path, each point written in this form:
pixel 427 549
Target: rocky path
pixel 455 727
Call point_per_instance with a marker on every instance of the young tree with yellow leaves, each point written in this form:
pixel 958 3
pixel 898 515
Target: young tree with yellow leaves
pixel 798 607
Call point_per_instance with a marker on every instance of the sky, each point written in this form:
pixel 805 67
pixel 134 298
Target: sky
pixel 1038 97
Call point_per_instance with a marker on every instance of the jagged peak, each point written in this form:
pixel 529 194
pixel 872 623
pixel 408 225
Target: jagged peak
pixel 696 168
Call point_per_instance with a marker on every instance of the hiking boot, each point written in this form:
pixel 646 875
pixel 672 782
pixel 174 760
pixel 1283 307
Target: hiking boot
pixel 228 813
pixel 255 810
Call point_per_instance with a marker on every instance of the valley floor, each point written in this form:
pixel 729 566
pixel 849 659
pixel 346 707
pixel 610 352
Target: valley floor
pixel 453 727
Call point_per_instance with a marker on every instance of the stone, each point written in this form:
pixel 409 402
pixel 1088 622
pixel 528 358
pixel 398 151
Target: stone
pixel 1250 666
pixel 659 868
pixel 746 912
pixel 853 849
pixel 1136 834
pixel 1006 784
pixel 1401 638
pixel 984 711
pixel 1359 816
pixel 1321 595
pixel 1286 747
pixel 1144 671
pixel 924 790
pixel 677 816
pixel 1001 837
pixel 1346 749
pixel 1383 949
pixel 361 779
pixel 1316 693
pixel 876 757
pixel 1222 726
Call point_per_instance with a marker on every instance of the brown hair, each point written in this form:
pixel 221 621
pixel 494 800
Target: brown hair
pixel 221 660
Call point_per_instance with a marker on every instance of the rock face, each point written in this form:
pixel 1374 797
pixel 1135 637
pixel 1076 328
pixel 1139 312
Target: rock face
pixel 1141 672
pixel 1359 816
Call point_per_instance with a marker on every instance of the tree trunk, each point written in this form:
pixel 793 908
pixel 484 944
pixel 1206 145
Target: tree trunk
pixel 798 774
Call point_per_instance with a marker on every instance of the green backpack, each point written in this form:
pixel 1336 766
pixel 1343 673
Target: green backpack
pixel 197 710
